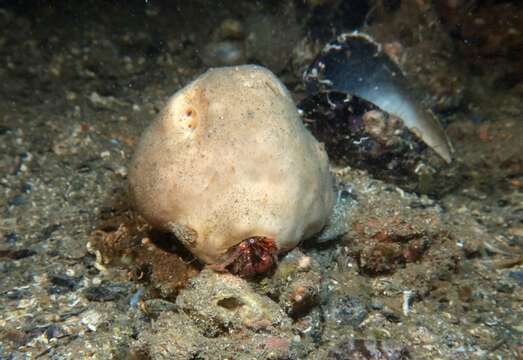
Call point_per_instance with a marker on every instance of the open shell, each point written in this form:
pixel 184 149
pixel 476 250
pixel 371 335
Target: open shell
pixel 354 64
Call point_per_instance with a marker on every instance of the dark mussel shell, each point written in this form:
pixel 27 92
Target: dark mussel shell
pixel 361 109
pixel 355 64
pixel 359 134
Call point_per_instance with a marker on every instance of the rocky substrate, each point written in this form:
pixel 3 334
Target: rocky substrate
pixel 83 277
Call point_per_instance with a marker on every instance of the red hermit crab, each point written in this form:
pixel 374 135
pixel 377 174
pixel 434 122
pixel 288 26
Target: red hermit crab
pixel 251 257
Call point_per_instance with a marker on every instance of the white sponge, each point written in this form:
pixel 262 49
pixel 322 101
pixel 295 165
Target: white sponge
pixel 229 159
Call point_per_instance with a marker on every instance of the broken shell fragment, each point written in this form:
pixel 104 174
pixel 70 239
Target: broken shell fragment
pixel 354 64
pixel 229 160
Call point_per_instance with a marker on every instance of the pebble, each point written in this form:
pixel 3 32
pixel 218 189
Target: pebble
pixel 504 287
pixel 57 290
pixel 16 200
pixel 106 292
pixel 53 331
pixel 104 102
pixel 391 316
pixel 518 276
pixel 301 295
pixel 10 238
pixel 25 188
pixel 121 171
pixel 17 294
pixel 92 319
pixel 366 349
pixel 16 254
pixel 64 281
pixel 157 306
pixel 346 310
pixel 516 231
pixel 48 231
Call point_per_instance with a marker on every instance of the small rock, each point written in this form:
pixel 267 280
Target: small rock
pixel 10 238
pixel 92 319
pixel 300 296
pixel 17 294
pixel 53 332
pixel 223 301
pixel 518 276
pixel 48 231
pixel 296 284
pixel 106 292
pixel 311 325
pixel 173 336
pixel 156 306
pixel 350 348
pixel 391 316
pixel 25 188
pixel 64 281
pixel 276 344
pixel 16 254
pixel 16 200
pixel 347 310
pixel 104 102
pixel 516 231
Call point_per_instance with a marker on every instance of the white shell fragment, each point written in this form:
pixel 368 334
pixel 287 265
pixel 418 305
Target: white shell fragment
pixel 228 159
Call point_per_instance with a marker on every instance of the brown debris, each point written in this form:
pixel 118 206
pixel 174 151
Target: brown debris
pixel 154 258
pixel 381 244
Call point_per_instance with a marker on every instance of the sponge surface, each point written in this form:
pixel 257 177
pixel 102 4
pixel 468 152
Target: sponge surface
pixel 227 159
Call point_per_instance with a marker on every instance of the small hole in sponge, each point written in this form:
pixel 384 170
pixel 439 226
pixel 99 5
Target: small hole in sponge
pixel 190 119
pixel 230 303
